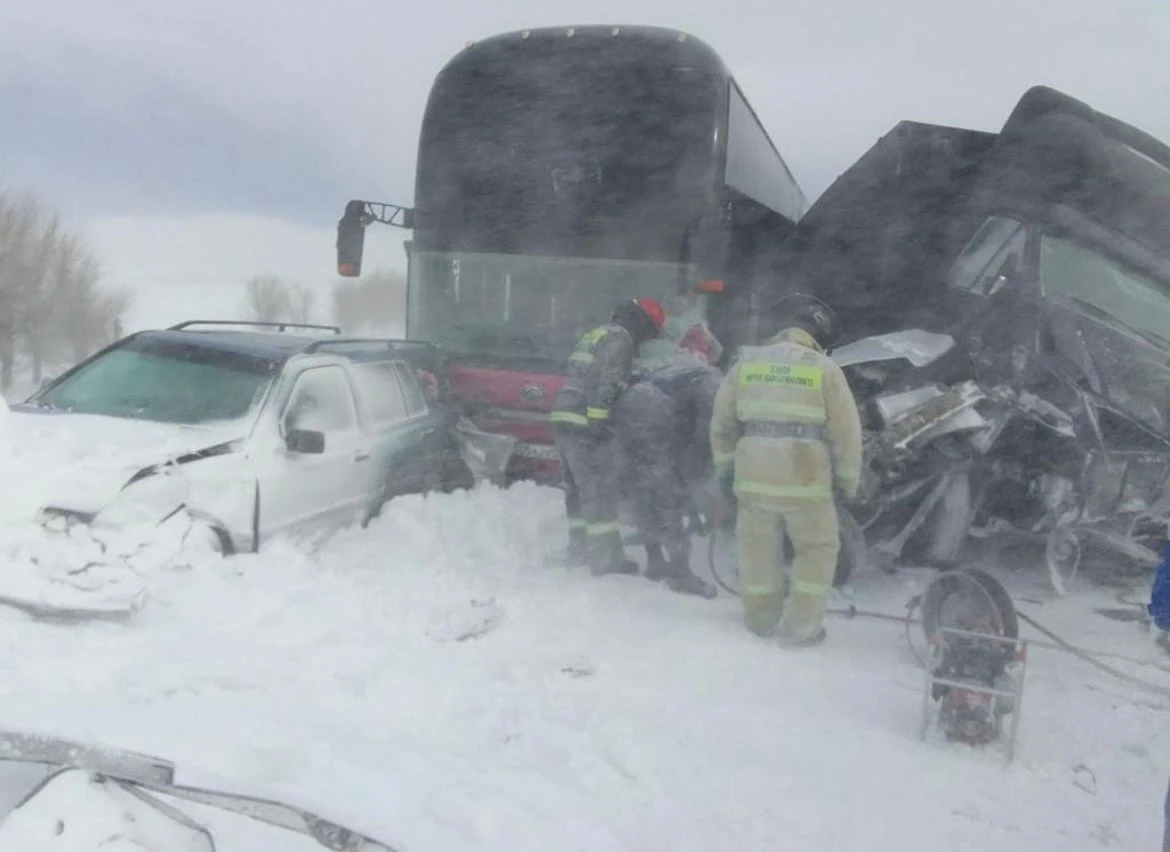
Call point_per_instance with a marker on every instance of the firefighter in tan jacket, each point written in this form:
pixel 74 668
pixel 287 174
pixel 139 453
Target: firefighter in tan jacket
pixel 784 433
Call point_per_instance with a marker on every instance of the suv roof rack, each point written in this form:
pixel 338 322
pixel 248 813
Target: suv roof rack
pixel 369 343
pixel 420 354
pixel 279 326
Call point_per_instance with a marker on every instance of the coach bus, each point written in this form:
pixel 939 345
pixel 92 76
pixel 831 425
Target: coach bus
pixel 561 170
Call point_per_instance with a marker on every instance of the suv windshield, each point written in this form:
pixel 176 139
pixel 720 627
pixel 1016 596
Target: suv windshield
pixel 164 381
pixel 520 307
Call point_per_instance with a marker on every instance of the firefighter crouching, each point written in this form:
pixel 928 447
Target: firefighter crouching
pixel 663 427
pixel 785 430
pixel 599 369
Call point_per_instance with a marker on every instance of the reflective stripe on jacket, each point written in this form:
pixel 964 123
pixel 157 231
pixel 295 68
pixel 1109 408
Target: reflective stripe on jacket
pixel 788 380
pixel 599 368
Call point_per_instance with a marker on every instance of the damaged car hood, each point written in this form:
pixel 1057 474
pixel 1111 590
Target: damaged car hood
pixel 81 461
pixel 916 345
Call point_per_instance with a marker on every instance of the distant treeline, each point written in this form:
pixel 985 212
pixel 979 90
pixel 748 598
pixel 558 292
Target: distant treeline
pixel 369 304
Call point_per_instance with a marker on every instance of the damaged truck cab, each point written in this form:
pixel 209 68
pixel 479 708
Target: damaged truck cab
pixel 1044 253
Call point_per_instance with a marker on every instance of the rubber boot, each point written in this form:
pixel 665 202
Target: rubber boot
pixel 620 565
pixel 680 578
pixel 578 553
pixel 801 639
pixel 609 557
pixel 761 613
pixel 657 568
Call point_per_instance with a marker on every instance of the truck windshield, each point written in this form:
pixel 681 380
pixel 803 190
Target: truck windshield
pixel 1121 303
pixel 521 307
pixel 1132 301
pixel 165 382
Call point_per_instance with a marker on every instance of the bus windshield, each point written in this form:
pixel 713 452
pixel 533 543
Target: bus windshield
pixel 521 307
pixel 566 149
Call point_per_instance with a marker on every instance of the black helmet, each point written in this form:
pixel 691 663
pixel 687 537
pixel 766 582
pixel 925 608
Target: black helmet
pixel 801 310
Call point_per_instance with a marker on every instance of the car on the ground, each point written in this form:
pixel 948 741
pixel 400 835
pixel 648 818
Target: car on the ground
pixel 270 429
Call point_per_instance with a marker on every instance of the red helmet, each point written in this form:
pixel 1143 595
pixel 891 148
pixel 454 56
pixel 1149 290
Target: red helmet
pixel 653 309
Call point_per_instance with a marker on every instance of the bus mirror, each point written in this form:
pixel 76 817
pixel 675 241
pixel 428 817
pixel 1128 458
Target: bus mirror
pixel 351 238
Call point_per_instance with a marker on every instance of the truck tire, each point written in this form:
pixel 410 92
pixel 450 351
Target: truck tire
pixel 941 541
pixel 211 536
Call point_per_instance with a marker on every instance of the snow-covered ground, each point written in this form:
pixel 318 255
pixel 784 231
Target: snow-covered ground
pixel 595 715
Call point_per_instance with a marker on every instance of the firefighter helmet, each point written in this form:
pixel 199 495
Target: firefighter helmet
pixel 811 314
pixel 643 317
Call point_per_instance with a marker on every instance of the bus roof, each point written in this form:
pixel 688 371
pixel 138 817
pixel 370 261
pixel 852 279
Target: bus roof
pixel 669 42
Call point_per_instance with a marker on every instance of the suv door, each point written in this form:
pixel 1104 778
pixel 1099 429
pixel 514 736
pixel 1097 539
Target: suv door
pixel 312 490
pixel 440 464
pixel 398 430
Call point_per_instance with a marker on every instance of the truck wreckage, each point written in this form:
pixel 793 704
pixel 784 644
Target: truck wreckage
pixel 1009 299
pixel 943 462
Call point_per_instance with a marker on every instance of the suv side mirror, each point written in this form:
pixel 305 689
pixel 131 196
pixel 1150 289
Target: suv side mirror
pixel 305 441
pixel 351 239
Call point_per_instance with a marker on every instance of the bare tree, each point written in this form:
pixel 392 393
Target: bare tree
pixel 19 220
pixel 303 300
pixel 372 302
pixel 52 303
pixel 268 298
pixel 83 312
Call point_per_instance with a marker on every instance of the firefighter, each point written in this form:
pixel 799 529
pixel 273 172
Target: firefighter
pixel 784 432
pixel 663 423
pixel 599 368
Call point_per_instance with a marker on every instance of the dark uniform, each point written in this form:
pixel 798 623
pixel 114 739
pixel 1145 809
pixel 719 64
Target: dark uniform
pixel 599 369
pixel 663 424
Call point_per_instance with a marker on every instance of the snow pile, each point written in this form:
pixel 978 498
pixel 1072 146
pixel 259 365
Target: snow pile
pixel 82 464
pixel 438 674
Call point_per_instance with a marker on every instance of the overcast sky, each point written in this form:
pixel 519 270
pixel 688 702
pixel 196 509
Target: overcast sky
pixel 199 143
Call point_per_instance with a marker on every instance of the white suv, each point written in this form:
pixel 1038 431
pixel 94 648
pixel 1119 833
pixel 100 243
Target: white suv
pixel 266 431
